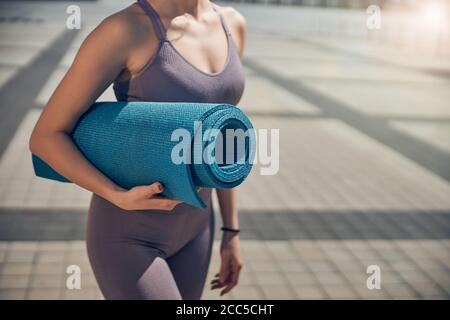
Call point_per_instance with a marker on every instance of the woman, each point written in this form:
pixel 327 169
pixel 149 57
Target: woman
pixel 142 245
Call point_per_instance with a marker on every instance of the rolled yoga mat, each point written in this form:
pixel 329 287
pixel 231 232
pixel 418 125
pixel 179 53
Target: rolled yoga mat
pixel 131 143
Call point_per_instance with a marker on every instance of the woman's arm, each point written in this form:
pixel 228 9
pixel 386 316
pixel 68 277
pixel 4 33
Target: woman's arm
pixel 101 57
pixel 228 207
pixel 232 264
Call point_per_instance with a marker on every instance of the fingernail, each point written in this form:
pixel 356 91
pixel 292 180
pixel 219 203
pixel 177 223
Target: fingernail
pixel 160 187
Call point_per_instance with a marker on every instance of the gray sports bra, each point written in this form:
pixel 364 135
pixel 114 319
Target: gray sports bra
pixel 169 77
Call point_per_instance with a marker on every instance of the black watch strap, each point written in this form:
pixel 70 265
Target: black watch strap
pixel 230 229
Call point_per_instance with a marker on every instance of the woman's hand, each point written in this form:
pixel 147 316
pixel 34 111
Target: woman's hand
pixel 231 264
pixel 143 198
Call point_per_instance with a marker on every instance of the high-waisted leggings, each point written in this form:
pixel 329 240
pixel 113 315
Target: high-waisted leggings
pixel 150 254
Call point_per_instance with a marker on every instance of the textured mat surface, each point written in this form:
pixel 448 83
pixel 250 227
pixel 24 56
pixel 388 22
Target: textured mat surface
pixel 137 143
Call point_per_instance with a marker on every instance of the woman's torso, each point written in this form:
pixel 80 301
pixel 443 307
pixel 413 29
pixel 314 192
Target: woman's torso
pixel 169 77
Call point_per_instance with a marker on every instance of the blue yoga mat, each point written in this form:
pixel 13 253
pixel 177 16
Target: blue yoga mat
pixel 131 143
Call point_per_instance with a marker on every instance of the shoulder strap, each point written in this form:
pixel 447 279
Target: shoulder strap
pixel 155 18
pixel 222 19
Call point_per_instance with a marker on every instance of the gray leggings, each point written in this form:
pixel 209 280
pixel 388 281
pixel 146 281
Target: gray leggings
pixel 150 254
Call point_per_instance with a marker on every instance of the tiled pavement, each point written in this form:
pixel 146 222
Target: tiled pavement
pixel 346 196
pixel 303 269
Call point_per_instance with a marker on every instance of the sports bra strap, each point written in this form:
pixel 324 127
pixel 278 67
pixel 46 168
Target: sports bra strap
pixel 155 18
pixel 222 19
pixel 159 26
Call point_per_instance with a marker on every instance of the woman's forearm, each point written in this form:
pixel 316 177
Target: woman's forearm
pixel 228 207
pixel 58 150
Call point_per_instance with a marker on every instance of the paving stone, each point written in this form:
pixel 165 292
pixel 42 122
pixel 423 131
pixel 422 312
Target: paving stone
pixel 441 277
pixel 22 245
pixel 404 265
pixel 281 250
pixel 82 294
pixel 12 294
pixel 392 254
pixel 50 256
pixel 261 95
pixel 310 292
pixel 14 282
pixel 44 294
pixel 48 246
pixel 75 246
pixel 415 276
pixel 428 289
pixel 428 265
pixel 301 278
pixel 209 294
pixel 433 297
pixel 400 291
pixel 99 296
pixel 247 292
pixel 392 277
pixel 339 255
pixel 258 254
pixel 16 269
pixel 2 256
pixel 321 266
pixel 366 254
pixel 49 268
pixel 374 294
pixel 269 278
pixel 88 280
pixel 264 266
pixel 428 132
pixel 340 292
pixel 277 292
pixel 357 279
pixel 330 278
pixel 47 281
pixel 20 256
pixel 350 266
pixel 292 266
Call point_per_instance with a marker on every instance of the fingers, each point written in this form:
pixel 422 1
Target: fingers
pixel 234 278
pixel 156 202
pixel 154 188
pixel 216 284
pixel 165 204
pixel 230 278
pixel 147 197
pixel 222 278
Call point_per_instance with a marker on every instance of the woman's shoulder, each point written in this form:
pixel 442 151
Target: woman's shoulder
pixel 124 25
pixel 236 24
pixel 121 33
pixel 235 20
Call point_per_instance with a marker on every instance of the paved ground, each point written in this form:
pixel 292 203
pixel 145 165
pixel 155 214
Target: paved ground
pixel 364 176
